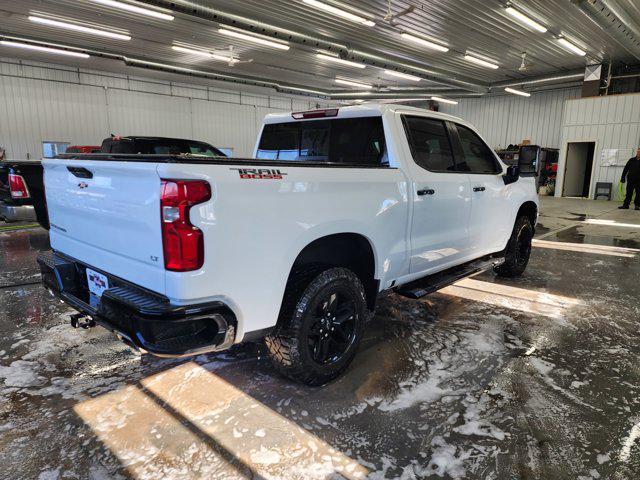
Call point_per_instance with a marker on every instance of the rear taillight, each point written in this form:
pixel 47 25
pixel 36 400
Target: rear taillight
pixel 18 187
pixel 183 244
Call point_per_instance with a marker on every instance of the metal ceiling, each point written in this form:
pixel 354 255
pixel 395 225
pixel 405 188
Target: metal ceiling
pixel 480 27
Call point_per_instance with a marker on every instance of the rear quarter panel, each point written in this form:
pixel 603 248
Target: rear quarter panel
pixel 255 228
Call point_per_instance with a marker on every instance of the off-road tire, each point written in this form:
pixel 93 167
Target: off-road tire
pixel 288 346
pixel 518 249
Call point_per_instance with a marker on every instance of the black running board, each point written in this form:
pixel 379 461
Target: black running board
pixel 429 284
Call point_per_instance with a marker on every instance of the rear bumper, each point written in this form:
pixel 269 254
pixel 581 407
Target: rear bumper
pixel 17 213
pixel 145 320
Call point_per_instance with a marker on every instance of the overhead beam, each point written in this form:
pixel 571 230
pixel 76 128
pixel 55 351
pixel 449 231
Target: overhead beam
pixel 305 41
pixel 616 27
pixel 574 75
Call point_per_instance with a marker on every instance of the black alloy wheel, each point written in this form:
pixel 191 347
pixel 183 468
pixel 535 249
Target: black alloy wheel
pixel 333 330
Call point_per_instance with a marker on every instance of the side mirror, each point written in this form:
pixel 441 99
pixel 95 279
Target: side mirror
pixel 512 175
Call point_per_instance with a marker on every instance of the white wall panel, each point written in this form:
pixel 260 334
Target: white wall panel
pixel 137 113
pixel 34 111
pixel 226 125
pixel 44 102
pixel 506 120
pixel 612 122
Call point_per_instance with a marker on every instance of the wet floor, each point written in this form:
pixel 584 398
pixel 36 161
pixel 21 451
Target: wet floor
pixel 529 378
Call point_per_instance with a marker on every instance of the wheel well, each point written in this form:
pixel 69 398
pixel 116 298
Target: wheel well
pixel 348 250
pixel 530 210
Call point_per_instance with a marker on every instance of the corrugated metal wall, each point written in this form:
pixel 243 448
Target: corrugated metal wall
pixel 612 122
pixel 509 119
pixel 41 102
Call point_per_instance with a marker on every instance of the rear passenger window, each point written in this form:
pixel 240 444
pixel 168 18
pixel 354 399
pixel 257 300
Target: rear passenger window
pixel 350 141
pixel 478 157
pixel 430 145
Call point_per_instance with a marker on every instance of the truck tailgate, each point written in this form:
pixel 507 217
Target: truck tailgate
pixel 107 214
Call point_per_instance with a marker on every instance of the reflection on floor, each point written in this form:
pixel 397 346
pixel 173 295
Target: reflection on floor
pixel 530 378
pixel 588 248
pixel 529 301
pixel 190 406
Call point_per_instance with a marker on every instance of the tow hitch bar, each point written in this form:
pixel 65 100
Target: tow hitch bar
pixel 80 320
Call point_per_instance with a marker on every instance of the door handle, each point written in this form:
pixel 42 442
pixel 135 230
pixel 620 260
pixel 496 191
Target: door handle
pixel 426 191
pixel 479 189
pixel 80 172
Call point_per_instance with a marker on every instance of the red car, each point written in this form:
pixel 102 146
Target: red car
pixel 83 149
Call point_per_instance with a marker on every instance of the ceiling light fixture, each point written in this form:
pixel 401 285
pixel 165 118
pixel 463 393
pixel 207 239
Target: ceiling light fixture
pixel 444 100
pixel 481 62
pixel 254 39
pixel 203 53
pixel 517 92
pixel 340 60
pixel 40 48
pixel 305 90
pixel 424 42
pixel 522 18
pixel 340 12
pixel 78 28
pixel 353 84
pixel 406 76
pixel 571 47
pixel 350 94
pixel 162 14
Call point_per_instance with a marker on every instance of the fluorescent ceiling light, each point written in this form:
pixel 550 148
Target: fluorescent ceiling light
pixel 479 61
pixel 160 14
pixel 350 94
pixel 517 92
pixel 254 39
pixel 444 100
pixel 79 28
pixel 571 47
pixel 305 90
pixel 406 76
pixel 203 53
pixel 39 48
pixel 340 12
pixel 522 18
pixel 353 84
pixel 331 58
pixel 424 42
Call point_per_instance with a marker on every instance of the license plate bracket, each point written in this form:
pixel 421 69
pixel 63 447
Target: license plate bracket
pixel 97 282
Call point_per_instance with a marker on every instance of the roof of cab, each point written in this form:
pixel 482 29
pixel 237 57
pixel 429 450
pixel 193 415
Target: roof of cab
pixel 364 110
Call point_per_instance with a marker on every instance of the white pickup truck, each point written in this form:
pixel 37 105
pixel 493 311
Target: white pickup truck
pixel 180 255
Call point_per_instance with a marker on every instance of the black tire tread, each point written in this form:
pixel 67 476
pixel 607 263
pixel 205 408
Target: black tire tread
pixel 283 345
pixel 509 269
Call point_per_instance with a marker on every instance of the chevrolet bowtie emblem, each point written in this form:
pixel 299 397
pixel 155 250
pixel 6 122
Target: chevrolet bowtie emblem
pixel 83 185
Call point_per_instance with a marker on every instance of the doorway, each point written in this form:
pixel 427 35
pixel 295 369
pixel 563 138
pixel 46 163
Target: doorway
pixel 578 169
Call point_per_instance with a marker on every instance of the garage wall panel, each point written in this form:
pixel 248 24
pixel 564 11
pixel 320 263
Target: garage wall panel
pixel 35 111
pixel 47 102
pixel 138 113
pixel 225 125
pixel 612 122
pixel 505 120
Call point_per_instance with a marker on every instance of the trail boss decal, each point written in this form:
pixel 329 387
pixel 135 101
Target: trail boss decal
pixel 259 173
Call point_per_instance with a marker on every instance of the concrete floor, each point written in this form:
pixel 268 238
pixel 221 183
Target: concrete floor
pixel 531 378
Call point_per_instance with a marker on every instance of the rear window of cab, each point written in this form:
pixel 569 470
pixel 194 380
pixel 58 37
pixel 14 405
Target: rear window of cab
pixel 348 141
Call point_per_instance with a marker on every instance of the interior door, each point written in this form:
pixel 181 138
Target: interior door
pixel 490 223
pixel 441 198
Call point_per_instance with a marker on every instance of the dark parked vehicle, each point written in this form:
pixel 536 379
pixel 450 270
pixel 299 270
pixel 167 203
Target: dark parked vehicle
pixel 158 146
pixel 16 198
